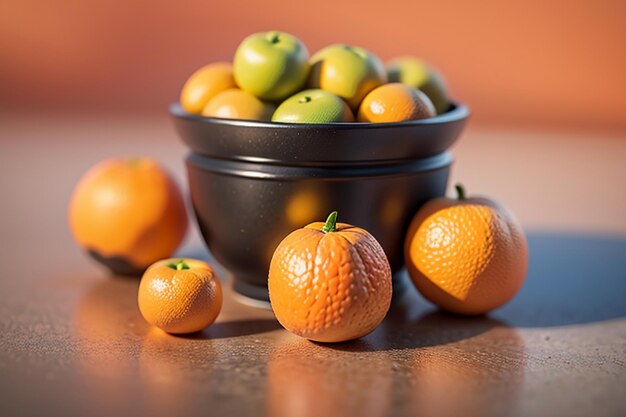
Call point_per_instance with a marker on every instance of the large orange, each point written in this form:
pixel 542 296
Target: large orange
pixel 330 282
pixel 128 213
pixel 180 295
pixel 395 102
pixel 467 255
pixel 206 83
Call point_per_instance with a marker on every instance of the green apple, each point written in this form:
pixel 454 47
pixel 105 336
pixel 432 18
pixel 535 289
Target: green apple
pixel 347 71
pixel 416 73
pixel 271 65
pixel 313 106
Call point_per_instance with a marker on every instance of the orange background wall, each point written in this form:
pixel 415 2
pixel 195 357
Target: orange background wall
pixel 552 63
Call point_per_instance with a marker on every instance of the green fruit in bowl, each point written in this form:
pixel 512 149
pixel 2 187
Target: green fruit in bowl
pixel 416 73
pixel 347 71
pixel 313 106
pixel 271 65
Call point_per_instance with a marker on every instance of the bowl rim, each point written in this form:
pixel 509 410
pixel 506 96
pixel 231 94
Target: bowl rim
pixel 458 111
pixel 259 170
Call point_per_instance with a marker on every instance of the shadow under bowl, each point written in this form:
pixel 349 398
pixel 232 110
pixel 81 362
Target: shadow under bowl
pixel 252 183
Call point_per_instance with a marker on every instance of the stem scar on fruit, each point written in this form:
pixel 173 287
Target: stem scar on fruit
pixel 275 37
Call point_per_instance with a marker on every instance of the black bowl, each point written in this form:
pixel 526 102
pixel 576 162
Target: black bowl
pixel 251 183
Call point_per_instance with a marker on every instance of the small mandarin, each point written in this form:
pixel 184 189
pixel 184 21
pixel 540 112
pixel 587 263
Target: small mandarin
pixel 204 84
pixel 330 282
pixel 238 104
pixel 395 102
pixel 180 295
pixel 468 256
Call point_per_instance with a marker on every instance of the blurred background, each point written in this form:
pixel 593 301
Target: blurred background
pixel 557 64
pixel 84 80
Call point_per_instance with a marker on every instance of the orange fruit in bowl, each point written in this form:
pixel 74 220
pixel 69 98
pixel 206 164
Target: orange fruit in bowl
pixel 468 255
pixel 127 213
pixel 204 84
pixel 180 295
pixel 238 104
pixel 416 73
pixel 395 102
pixel 330 282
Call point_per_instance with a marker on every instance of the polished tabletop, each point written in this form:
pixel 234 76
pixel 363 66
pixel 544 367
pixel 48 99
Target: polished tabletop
pixel 74 344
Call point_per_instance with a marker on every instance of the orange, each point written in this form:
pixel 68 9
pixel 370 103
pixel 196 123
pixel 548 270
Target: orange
pixel 204 84
pixel 417 73
pixel 468 255
pixel 330 282
pixel 395 102
pixel 238 104
pixel 127 213
pixel 180 295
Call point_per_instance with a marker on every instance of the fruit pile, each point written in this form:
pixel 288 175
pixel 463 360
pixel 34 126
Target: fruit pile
pixel 465 255
pixel 272 78
pixel 327 281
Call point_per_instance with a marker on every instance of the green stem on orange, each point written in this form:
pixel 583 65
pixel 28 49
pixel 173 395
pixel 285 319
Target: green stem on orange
pixel 460 190
pixel 180 265
pixel 331 223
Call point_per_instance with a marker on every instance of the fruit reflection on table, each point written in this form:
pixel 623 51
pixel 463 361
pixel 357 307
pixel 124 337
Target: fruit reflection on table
pixel 414 359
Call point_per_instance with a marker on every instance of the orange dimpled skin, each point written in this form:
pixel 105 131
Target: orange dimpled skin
pixel 180 295
pixel 395 102
pixel 330 283
pixel 238 104
pixel 468 256
pixel 204 84
pixel 128 210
